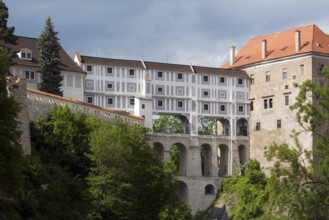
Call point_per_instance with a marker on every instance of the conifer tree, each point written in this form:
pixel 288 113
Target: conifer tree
pixel 49 61
pixel 6 33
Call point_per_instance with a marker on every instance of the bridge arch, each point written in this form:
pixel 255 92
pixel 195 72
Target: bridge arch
pixel 223 160
pixel 206 159
pixel 178 154
pixel 159 149
pixel 182 192
pixel 242 154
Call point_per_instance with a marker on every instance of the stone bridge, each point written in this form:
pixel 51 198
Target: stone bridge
pixel 204 161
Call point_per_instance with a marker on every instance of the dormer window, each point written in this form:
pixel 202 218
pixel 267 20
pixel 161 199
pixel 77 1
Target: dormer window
pixel 25 54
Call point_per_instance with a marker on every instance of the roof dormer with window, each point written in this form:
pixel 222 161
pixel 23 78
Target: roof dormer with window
pixel 25 54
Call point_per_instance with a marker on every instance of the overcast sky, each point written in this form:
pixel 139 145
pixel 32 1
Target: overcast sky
pixel 174 31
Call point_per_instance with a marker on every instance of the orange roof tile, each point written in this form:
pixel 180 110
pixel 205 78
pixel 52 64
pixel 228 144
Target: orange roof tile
pixel 282 44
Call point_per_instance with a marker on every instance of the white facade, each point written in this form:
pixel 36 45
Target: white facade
pixel 188 92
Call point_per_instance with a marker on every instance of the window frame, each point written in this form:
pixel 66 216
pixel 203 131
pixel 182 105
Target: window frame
pixel 268 76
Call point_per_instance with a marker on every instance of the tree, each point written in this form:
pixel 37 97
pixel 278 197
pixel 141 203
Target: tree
pixel 6 33
pixel 127 180
pixel 168 124
pixel 55 186
pixel 11 159
pixel 50 63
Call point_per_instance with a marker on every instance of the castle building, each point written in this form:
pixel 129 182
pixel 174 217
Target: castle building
pixel 191 93
pixel 275 62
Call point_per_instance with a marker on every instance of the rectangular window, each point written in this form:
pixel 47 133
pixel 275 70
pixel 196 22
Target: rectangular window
pixel 205 107
pixel 294 77
pixel 268 103
pixel 160 75
pixel 132 101
pixel 159 103
pixel 109 70
pixel 222 108
pixel 179 76
pixel 109 85
pixel 143 106
pixel 252 79
pixel 89 68
pixel 222 80
pixel 251 106
pixel 206 93
pixel 268 76
pixel 284 73
pixel 286 87
pixel 278 123
pixel 265 104
pixel 29 75
pixel 240 81
pixel 205 78
pixel 110 101
pixel 89 99
pixel 240 108
pixel 180 104
pixel 131 72
pixel 257 126
pixel 286 100
pixel 28 55
pixel 301 69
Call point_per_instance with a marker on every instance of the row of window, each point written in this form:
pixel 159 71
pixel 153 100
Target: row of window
pixel 284 74
pixel 278 125
pixel 268 102
pixel 109 70
pixel 160 75
pixel 205 106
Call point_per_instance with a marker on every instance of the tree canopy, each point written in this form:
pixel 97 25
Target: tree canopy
pixel 168 124
pixel 6 33
pixel 49 61
pixel 127 180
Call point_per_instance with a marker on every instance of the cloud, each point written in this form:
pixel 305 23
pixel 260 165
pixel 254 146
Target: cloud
pixel 180 31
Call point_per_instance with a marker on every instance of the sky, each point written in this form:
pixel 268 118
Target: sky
pixel 199 32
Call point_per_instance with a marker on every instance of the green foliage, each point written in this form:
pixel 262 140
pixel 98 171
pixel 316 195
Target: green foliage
pixel 55 185
pixel 176 212
pixel 175 157
pixel 6 33
pixel 247 192
pixel 50 63
pixel 207 126
pixel 168 124
pixel 127 180
pixel 10 151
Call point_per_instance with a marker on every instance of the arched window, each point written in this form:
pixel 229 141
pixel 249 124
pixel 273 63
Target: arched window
pixel 209 189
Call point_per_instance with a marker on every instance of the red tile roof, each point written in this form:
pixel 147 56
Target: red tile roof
pixel 282 44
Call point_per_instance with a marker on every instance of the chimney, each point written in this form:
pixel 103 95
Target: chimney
pixel 297 41
pixel 232 54
pixel 264 49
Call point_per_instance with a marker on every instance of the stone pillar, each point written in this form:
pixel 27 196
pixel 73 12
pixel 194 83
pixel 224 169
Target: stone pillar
pixel 194 158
